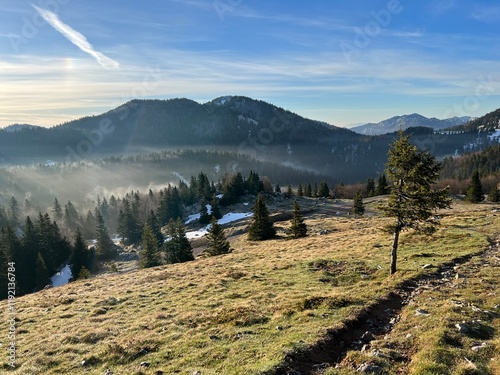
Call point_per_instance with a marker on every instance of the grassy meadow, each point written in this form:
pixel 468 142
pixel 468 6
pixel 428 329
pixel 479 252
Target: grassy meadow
pixel 244 312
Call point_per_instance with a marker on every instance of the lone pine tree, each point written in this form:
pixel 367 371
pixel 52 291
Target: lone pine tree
pixel 475 190
pixel 217 241
pixel 298 228
pixel 358 207
pixel 412 199
pixel 262 227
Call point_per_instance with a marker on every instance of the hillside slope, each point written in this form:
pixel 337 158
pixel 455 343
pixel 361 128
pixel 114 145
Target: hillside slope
pixel 250 312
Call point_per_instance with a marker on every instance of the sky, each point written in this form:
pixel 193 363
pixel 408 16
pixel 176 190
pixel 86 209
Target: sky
pixel 336 61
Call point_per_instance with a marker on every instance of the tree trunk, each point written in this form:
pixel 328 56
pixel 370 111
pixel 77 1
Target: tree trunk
pixel 394 252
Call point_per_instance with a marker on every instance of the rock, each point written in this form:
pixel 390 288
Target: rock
pixel 321 366
pixel 294 373
pixel 422 312
pixel 365 348
pixel 477 348
pixel 214 337
pixel 145 364
pixel 426 266
pixel 462 327
pixel 197 373
pixel 367 336
pixel 108 372
pixel 409 336
pixel 279 328
pixel 159 372
pixel 367 368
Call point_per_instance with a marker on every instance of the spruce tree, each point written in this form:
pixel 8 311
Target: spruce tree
pixel 324 190
pixel 277 189
pixel 215 208
pixel 217 242
pixel 149 256
pixel 14 212
pixel 89 225
pixel 105 248
pixel 204 215
pixel 370 187
pixel 298 228
pixel 308 190
pixel 80 255
pixel 475 190
pixel 178 249
pixel 358 207
pixel 57 210
pixel 412 199
pixel 382 187
pixel 253 183
pixel 262 227
pixel 289 191
pixel 494 195
pixel 152 223
pixel 41 274
pixel 29 243
pixel 300 191
pixel 315 190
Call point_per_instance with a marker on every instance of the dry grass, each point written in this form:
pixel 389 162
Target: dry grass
pixel 239 313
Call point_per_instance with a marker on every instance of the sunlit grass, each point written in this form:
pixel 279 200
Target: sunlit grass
pixel 241 313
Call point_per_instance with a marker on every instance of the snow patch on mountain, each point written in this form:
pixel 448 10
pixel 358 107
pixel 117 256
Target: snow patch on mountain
pixel 248 119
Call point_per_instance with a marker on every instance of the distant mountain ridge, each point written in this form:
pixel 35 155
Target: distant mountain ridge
pixel 18 127
pixel 407 121
pixel 235 125
pixel 487 123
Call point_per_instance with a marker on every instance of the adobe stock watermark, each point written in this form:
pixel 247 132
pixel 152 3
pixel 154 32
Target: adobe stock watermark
pixel 94 138
pixel 31 25
pixel 224 6
pixel 372 29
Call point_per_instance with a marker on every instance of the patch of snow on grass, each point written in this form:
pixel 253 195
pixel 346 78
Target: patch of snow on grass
pixel 227 218
pixel 62 277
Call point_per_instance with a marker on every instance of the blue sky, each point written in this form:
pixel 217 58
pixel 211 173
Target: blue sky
pixel 336 61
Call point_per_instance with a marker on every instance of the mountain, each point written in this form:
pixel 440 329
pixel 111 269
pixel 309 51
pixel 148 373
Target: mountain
pixel 234 124
pixel 18 127
pixel 404 122
pixel 487 123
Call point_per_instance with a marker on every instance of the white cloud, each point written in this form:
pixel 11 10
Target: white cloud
pixel 76 38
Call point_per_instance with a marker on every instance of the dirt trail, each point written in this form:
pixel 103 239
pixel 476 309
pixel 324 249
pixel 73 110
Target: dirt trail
pixel 378 319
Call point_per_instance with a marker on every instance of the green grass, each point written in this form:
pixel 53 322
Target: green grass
pixel 241 313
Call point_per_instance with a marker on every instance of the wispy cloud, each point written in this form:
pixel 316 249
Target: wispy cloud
pixel 76 38
pixel 486 13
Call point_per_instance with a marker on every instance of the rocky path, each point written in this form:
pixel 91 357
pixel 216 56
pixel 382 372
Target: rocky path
pixel 377 321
